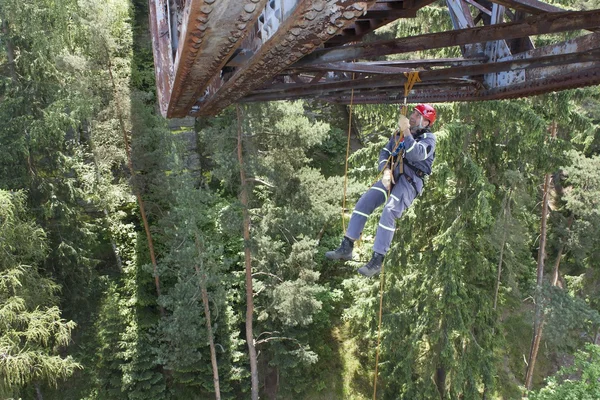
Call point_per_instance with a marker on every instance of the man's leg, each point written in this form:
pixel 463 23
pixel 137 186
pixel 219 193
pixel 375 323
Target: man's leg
pixel 401 197
pixel 369 201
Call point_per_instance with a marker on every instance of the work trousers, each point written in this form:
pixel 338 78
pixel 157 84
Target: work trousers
pixel 400 198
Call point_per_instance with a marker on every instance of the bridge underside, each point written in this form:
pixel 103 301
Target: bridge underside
pixel 211 53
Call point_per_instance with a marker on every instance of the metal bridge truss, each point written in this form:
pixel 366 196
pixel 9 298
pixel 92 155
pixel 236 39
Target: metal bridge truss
pixel 211 53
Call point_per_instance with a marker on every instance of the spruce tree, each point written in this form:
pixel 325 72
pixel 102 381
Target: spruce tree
pixel 32 331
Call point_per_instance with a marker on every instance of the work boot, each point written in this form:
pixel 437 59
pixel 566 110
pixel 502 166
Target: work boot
pixel 373 266
pixel 344 252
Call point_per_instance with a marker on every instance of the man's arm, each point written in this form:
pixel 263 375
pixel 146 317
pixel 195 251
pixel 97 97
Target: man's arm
pixel 385 153
pixel 419 150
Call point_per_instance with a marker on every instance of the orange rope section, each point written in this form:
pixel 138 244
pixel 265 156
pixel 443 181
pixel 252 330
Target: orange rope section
pixel 412 78
pixel 347 155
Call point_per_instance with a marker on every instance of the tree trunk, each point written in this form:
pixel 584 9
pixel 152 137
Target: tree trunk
pixel 539 318
pixel 211 341
pixel 38 392
pixel 247 255
pixel 10 53
pixel 136 190
pixel 555 274
pixel 506 209
pixel 504 234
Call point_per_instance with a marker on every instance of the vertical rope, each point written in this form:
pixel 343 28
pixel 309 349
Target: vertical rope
pixel 347 155
pixel 412 78
pixel 381 282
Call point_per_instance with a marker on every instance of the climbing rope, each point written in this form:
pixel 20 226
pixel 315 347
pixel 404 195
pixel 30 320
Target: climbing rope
pixel 412 78
pixel 347 155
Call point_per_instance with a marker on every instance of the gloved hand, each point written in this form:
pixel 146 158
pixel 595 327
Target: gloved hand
pixel 403 123
pixel 387 178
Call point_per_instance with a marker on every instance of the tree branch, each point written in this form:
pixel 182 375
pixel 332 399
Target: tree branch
pixel 267 273
pixel 254 179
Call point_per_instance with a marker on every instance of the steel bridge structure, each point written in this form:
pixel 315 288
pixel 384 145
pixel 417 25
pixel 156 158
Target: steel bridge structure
pixel 211 53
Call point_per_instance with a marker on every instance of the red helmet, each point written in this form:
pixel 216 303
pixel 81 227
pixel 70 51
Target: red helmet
pixel 426 111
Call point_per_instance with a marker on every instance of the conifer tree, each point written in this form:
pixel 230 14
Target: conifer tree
pixel 32 331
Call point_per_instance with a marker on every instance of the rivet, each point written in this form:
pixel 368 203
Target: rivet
pixel 310 15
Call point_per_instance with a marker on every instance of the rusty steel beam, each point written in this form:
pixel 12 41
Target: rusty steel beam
pixel 411 64
pixel 310 24
pixel 362 67
pixel 210 32
pixel 398 87
pixel 288 91
pixel 535 25
pixel 161 50
pixel 388 10
pixel 395 66
pixel 378 15
pixel 390 67
pixel 530 6
pixel 579 44
pixel 583 78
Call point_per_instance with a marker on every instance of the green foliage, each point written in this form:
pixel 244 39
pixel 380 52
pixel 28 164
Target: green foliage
pixel 291 204
pixel 576 382
pixel 32 331
pixel 581 201
pixel 570 319
pixel 63 143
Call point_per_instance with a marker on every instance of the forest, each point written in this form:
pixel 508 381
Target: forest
pixel 146 258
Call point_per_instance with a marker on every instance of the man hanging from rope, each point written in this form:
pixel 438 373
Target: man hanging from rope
pixel 404 163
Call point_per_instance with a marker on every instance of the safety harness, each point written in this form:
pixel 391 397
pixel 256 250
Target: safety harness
pixel 396 155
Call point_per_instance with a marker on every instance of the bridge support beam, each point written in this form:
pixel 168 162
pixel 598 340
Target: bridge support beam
pixel 209 34
pixel 309 25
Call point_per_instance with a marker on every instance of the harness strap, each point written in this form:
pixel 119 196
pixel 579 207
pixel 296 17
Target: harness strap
pixel 419 172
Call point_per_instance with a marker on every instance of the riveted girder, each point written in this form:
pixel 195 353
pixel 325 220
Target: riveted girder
pixel 210 53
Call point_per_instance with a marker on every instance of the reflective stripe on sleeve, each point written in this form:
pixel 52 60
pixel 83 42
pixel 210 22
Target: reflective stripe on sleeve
pixel 387 228
pixel 382 161
pixel 411 147
pixel 394 197
pixel 424 150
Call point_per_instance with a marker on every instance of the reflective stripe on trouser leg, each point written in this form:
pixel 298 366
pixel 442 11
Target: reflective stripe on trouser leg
pixel 369 201
pixel 400 199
